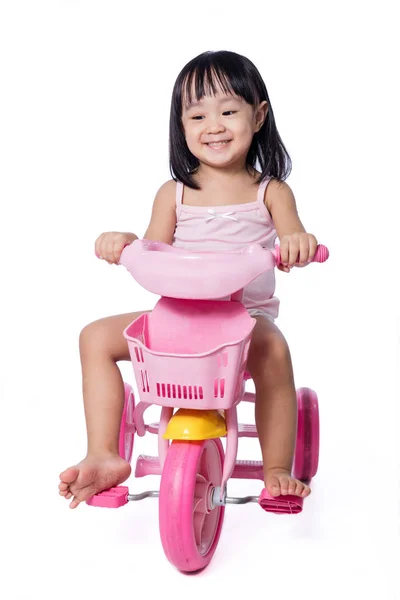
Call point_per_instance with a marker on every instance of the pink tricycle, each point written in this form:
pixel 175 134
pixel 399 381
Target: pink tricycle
pixel 190 354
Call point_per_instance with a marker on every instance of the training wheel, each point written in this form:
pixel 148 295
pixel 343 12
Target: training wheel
pixel 307 443
pixel 127 430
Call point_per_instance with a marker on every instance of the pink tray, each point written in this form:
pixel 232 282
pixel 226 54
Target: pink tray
pixel 172 272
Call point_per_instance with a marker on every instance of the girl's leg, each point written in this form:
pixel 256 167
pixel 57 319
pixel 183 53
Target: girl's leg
pixel 270 366
pixel 101 346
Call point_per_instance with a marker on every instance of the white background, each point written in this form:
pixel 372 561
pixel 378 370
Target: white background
pixel 84 109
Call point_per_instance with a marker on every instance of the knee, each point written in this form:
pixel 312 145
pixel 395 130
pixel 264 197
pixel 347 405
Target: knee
pixel 278 350
pixel 269 356
pixel 93 337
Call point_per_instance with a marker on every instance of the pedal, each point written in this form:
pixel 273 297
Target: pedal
pixel 280 505
pixel 111 498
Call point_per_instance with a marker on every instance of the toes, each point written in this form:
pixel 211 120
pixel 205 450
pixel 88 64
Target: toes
pixel 75 502
pixel 274 487
pixel 67 494
pixel 69 475
pixel 292 487
pixel 299 488
pixel 285 486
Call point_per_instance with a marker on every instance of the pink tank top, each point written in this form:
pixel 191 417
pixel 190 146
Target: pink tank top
pixel 224 228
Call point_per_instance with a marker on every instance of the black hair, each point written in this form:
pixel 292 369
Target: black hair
pixel 234 74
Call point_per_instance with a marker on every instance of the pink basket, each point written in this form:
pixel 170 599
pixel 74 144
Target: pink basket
pixel 210 379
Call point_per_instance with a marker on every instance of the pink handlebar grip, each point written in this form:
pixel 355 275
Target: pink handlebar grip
pixel 321 255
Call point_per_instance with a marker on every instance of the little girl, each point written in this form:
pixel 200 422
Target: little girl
pixel 221 128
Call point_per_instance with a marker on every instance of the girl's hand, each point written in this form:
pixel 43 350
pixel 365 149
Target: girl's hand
pixel 297 249
pixel 109 245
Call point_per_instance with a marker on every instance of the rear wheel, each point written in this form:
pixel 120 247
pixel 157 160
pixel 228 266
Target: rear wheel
pixel 307 443
pixel 189 526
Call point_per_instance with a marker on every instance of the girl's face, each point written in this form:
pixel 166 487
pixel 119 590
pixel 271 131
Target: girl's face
pixel 219 129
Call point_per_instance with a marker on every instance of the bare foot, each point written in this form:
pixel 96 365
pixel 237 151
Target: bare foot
pixel 91 476
pixel 280 482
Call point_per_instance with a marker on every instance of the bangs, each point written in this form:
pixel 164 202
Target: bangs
pixel 210 76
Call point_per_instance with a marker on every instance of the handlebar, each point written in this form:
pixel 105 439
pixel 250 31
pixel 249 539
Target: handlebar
pixel 174 272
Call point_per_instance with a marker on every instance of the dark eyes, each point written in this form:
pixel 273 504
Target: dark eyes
pixel 226 113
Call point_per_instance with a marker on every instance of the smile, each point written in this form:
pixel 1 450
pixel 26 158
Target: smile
pixel 218 144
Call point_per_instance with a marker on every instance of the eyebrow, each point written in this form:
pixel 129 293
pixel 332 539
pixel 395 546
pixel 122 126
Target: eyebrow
pixel 223 101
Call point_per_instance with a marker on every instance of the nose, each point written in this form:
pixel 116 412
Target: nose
pixel 214 125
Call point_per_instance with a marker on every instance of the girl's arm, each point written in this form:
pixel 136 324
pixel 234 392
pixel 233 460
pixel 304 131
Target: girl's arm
pixel 163 218
pixel 109 245
pixel 296 245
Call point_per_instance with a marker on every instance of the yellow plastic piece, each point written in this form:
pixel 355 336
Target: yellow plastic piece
pixel 189 424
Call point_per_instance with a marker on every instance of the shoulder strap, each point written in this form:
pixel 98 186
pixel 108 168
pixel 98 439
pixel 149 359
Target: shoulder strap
pixel 179 193
pixel 179 196
pixel 261 190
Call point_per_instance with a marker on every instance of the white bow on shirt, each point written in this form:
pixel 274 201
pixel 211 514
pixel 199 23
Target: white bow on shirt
pixel 214 215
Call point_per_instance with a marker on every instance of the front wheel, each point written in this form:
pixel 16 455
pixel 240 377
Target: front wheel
pixel 307 443
pixel 189 527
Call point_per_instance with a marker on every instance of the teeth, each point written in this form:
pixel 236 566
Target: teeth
pixel 217 143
